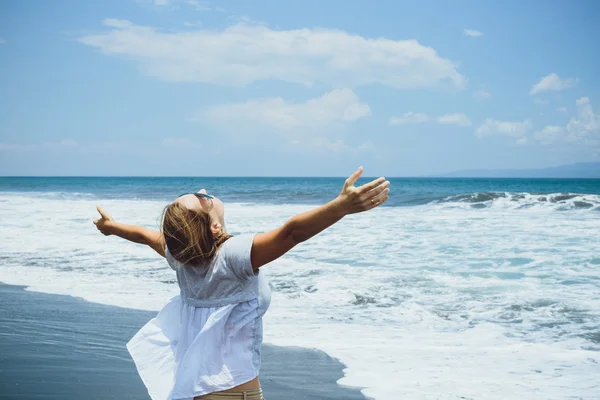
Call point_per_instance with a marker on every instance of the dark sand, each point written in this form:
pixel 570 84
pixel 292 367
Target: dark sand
pixel 60 347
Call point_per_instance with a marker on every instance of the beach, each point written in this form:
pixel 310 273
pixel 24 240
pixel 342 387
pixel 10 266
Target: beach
pixel 455 288
pixel 61 347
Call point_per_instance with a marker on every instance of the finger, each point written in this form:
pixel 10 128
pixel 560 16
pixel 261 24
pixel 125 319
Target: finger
pixel 354 177
pixel 372 185
pixel 376 203
pixel 377 190
pixel 96 221
pixel 102 212
pixel 378 200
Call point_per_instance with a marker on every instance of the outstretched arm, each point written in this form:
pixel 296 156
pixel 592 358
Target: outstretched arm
pixel 137 234
pixel 271 245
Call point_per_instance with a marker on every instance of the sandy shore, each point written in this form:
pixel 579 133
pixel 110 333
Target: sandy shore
pixel 60 347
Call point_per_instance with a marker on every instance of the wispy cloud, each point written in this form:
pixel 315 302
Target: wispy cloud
pixel 581 128
pixel 2 41
pixel 552 83
pixel 11 146
pixel 328 145
pixel 454 119
pixel 71 146
pixel 523 140
pixel 243 53
pixel 336 107
pixel 409 118
pixel 419 118
pixel 199 5
pixel 481 95
pixel 550 134
pixel 192 24
pixel 516 129
pixel 562 109
pixel 60 145
pixel 472 33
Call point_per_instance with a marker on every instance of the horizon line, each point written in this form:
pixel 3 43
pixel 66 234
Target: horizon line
pixel 297 176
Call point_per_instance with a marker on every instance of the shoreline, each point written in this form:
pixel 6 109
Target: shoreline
pixel 58 346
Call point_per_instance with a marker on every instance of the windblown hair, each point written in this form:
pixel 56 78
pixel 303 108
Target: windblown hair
pixel 188 235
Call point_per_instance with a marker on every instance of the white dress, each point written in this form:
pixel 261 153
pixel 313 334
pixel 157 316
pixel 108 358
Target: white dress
pixel 208 338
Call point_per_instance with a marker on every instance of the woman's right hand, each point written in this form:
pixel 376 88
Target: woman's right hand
pixel 105 223
pixel 354 199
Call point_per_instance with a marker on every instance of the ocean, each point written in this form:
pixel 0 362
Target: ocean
pixel 455 288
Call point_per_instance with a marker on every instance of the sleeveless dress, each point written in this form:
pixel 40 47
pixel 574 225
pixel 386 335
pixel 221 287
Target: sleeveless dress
pixel 208 338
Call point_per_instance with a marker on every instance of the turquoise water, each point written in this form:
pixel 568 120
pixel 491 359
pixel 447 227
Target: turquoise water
pixel 406 191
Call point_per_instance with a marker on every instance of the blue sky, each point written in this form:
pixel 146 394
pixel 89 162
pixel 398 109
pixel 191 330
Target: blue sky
pixel 311 88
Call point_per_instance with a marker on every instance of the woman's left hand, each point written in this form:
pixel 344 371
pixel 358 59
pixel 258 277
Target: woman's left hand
pixel 366 197
pixel 105 223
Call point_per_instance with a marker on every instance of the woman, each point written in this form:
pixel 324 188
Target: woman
pixel 205 343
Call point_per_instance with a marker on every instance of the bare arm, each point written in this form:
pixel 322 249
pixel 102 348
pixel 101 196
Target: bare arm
pixel 137 234
pixel 271 245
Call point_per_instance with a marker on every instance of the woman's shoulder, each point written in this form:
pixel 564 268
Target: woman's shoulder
pixel 238 243
pixel 235 253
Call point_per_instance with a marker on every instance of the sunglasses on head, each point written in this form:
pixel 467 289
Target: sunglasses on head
pixel 199 195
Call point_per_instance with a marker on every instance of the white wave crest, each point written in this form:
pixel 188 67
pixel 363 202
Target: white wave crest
pixel 519 201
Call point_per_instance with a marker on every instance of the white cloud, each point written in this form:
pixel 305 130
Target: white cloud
pixel 481 95
pixel 336 107
pixel 549 134
pixel 246 20
pixel 584 128
pixel 322 143
pixel 454 119
pixel 552 83
pixel 537 100
pixel 243 53
pixel 522 140
pixel 409 118
pixel 193 24
pixel 418 118
pixel 562 109
pixel 586 124
pixel 472 33
pixel 2 41
pixel 70 146
pixel 10 146
pixel 63 144
pixel 494 127
pixel 334 146
pixel 366 146
pixel 199 5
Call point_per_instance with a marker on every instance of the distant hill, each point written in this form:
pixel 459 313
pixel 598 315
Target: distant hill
pixel 579 170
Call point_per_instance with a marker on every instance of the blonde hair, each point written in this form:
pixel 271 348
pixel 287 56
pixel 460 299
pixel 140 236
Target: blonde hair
pixel 188 235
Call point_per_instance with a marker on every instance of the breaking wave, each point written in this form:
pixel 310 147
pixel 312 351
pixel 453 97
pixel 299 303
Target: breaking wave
pixel 556 201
